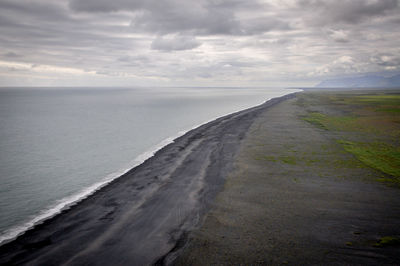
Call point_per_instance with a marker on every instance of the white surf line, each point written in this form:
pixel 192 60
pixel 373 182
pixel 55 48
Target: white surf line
pixel 68 202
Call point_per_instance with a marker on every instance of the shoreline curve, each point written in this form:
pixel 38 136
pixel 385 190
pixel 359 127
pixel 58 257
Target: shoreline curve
pixel 66 203
pixel 24 241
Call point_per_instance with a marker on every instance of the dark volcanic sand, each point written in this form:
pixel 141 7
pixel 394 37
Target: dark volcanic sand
pixel 142 217
pixel 297 198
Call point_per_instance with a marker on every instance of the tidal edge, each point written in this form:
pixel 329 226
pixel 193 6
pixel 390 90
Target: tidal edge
pixel 144 216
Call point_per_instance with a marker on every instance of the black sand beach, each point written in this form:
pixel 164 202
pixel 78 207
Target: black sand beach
pixel 296 197
pixel 259 187
pixel 144 216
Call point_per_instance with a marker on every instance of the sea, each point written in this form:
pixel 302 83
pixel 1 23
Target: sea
pixel 59 145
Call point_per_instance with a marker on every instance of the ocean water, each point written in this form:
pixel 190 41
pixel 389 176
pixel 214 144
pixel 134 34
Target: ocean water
pixel 58 145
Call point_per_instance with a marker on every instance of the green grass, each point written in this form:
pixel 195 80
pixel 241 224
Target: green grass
pixel 389 110
pixel 378 155
pixel 381 103
pixel 327 122
pixel 365 100
pixel 387 241
pixel 288 159
pixel 285 159
pixel 380 99
pixel 268 158
pixel 316 119
pixel 374 118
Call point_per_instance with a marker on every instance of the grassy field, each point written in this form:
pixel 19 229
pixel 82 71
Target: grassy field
pixel 367 125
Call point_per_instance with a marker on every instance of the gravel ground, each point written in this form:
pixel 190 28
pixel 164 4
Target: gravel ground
pixel 296 197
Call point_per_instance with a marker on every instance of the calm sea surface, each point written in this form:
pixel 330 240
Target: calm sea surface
pixel 58 145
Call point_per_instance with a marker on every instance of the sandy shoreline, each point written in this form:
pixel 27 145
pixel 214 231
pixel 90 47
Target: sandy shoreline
pixel 296 197
pixel 142 217
pixel 258 187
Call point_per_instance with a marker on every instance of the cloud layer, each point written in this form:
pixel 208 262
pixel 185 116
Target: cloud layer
pixel 195 43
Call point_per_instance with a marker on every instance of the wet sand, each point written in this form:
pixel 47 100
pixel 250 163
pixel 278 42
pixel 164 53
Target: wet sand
pixel 143 217
pixel 295 197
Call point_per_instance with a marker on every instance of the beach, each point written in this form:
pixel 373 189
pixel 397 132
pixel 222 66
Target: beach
pixel 262 186
pixel 211 132
pixel 143 216
pixel 296 197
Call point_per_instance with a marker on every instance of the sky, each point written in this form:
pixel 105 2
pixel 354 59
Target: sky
pixel 195 42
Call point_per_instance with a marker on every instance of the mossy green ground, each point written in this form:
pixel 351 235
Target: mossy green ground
pixel 367 125
pixel 387 241
pixel 378 155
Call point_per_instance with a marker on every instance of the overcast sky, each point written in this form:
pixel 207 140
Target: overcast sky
pixel 195 42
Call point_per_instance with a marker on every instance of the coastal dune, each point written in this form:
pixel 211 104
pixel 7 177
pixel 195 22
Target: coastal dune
pixel 144 216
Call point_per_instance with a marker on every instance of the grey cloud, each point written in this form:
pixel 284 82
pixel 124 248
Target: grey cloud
pixel 263 24
pixel 181 22
pixel 138 58
pixel 105 5
pixel 218 38
pixel 240 63
pixel 174 43
pixel 346 11
pixel 13 69
pixel 204 75
pixel 129 62
pixel 386 59
pixel 11 55
pixel 212 71
pixel 198 17
pixel 105 73
pixel 339 36
pixel 202 17
pixel 41 10
pixel 25 26
pixel 166 16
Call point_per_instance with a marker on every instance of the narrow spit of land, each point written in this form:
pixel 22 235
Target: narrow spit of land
pixel 316 182
pixel 142 217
